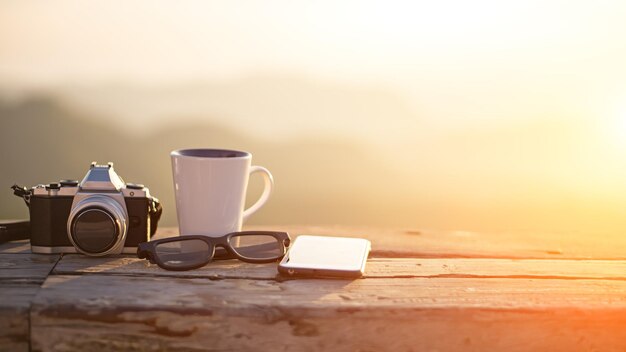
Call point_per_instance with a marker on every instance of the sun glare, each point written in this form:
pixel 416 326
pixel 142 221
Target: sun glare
pixel 619 127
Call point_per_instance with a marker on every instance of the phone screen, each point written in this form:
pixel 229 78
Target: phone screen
pixel 332 253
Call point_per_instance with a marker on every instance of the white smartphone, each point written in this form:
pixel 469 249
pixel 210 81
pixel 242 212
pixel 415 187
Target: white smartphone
pixel 326 256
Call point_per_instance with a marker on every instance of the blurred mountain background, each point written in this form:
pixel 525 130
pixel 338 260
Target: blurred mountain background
pixel 319 180
pixel 491 178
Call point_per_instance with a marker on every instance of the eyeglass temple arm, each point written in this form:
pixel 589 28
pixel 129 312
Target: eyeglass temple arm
pixel 144 253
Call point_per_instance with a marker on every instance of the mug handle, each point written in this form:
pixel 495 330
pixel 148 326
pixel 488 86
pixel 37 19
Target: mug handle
pixel 267 190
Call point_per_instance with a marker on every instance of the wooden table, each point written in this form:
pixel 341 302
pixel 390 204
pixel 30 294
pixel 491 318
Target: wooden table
pixel 423 291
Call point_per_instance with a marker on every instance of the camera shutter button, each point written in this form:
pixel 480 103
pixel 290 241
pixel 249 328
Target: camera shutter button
pixel 69 183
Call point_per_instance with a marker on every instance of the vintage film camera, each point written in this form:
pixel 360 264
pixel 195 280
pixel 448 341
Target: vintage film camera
pixel 100 215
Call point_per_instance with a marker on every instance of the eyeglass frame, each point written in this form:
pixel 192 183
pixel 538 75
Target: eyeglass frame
pixel 147 250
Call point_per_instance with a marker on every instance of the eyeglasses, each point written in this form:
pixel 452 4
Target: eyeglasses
pixel 194 251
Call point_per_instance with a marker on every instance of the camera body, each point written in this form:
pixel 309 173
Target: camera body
pixel 100 215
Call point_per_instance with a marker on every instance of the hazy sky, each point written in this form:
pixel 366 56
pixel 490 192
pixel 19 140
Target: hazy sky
pixel 456 64
pixel 453 60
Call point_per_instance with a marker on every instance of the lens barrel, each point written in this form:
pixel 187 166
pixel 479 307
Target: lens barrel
pixel 97 226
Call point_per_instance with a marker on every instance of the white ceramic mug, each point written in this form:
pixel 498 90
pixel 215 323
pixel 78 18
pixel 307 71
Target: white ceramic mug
pixel 210 188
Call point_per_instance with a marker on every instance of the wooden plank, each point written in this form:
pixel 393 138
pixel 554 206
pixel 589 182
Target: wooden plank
pixel 16 296
pixel 21 275
pixel 22 246
pixel 128 265
pixel 106 313
pixel 376 268
pixel 424 243
pixel 26 266
pixel 497 268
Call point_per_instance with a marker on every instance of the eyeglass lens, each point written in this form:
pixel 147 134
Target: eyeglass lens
pixel 183 253
pixel 257 246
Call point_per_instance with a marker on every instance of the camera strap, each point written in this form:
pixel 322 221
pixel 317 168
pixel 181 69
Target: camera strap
pixel 23 193
pixel 155 210
pixel 13 230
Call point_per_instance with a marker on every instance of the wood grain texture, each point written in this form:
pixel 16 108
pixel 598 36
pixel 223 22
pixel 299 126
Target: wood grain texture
pixel 96 312
pixel 20 277
pixel 16 296
pixel 423 291
pixel 26 265
pixel 132 266
pixel 22 246
pixel 376 268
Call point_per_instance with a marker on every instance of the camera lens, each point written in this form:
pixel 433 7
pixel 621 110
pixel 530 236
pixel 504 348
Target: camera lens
pixel 97 225
pixel 94 230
